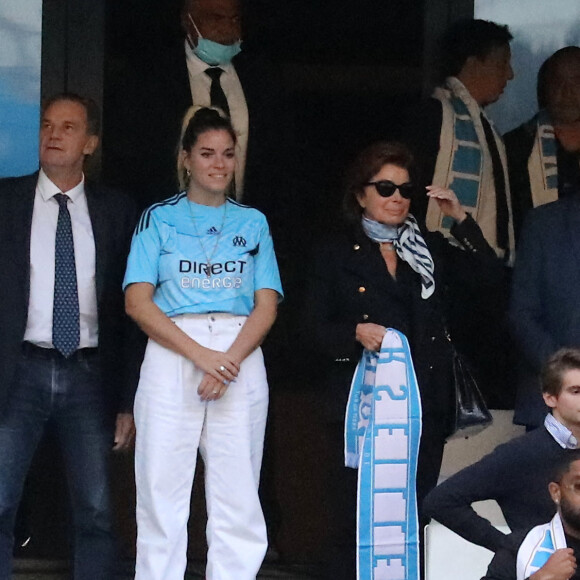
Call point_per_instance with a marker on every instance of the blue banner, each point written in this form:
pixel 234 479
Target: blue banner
pixel 20 56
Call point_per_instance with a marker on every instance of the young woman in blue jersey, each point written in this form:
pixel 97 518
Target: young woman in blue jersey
pixel 203 283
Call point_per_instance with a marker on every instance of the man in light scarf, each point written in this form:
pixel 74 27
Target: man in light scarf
pixel 549 551
pixel 456 147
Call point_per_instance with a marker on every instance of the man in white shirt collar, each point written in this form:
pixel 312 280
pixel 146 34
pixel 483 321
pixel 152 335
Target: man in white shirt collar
pixel 83 391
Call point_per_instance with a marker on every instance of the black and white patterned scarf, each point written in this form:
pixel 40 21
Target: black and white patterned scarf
pixel 409 245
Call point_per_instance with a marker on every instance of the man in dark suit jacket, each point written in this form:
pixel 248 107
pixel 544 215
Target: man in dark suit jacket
pixel 542 153
pixel 550 550
pixel 63 247
pixel 545 302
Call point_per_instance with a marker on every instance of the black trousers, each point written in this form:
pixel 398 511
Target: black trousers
pixel 339 558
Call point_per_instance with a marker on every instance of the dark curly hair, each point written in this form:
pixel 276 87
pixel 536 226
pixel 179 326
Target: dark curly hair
pixel 562 466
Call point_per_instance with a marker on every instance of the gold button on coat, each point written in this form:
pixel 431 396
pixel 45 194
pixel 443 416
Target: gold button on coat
pixel 356 247
pixel 362 289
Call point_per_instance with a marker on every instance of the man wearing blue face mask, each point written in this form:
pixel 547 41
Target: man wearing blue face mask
pixel 222 21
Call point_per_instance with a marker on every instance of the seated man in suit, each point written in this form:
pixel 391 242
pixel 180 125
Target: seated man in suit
pixel 64 243
pixel 549 551
pixel 516 474
pixel 542 153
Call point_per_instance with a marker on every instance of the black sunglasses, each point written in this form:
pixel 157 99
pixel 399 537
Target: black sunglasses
pixel 386 188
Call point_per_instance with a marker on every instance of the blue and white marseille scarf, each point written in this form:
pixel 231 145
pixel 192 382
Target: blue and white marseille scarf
pixel 382 435
pixel 464 164
pixel 537 547
pixel 542 163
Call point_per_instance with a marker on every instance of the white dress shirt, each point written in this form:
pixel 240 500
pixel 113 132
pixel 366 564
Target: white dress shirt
pixel 200 85
pixel 42 246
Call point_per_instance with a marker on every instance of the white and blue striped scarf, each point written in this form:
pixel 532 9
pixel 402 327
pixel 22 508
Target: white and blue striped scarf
pixel 409 245
pixel 382 435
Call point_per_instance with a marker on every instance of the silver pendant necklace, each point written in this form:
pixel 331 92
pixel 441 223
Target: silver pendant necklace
pixel 208 259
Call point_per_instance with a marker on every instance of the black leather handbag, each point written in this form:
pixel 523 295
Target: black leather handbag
pixel 471 413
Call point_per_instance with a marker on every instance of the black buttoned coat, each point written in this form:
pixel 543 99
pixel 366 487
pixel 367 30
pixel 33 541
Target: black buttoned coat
pixel 349 284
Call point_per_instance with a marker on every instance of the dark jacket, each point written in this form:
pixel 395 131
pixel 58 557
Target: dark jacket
pixel 349 284
pixel 519 143
pixel 545 304
pixel 113 218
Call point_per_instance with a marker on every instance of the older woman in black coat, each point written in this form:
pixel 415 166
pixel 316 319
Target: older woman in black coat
pixel 382 271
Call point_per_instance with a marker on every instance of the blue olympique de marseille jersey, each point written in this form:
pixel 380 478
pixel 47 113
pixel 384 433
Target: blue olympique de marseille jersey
pixel 171 251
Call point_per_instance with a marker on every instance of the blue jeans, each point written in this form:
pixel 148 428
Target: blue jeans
pixel 69 394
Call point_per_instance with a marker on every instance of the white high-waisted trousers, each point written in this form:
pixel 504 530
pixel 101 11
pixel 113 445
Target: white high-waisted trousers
pixel 172 423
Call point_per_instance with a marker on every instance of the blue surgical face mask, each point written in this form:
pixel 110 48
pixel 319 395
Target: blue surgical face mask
pixel 214 53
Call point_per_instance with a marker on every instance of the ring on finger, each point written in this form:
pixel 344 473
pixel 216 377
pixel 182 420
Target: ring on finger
pixel 222 368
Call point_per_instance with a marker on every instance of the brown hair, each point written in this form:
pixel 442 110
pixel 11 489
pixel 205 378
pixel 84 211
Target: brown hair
pixel 367 164
pixel 563 360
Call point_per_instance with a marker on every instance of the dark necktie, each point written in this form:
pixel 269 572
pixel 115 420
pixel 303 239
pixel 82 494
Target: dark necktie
pixel 501 206
pixel 216 93
pixel 65 314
